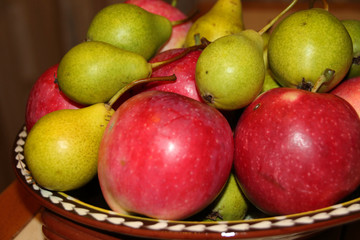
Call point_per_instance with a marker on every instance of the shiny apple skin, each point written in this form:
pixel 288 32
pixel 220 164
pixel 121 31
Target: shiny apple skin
pixel 349 90
pixel 45 97
pixel 164 155
pixel 183 68
pixel 297 151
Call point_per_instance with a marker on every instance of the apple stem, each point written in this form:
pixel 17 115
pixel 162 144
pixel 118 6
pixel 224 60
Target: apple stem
pixel 137 82
pixel 269 25
pixel 174 3
pixel 204 43
pixel 325 77
pixel 187 19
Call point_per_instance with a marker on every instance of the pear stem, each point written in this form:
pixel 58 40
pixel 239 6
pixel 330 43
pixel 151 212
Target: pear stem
pixel 325 3
pixel 137 82
pixel 269 25
pixel 204 43
pixel 356 60
pixel 187 19
pixel 325 77
pixel 197 39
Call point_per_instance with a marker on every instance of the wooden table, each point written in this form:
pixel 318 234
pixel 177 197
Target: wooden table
pixel 19 214
pixel 20 218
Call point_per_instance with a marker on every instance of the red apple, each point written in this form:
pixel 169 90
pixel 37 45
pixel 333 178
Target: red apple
pixel 350 91
pixel 45 97
pixel 183 68
pixel 165 9
pixel 297 151
pixel 164 155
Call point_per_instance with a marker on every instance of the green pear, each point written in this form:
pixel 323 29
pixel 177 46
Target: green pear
pixel 229 205
pixel 61 149
pixel 307 44
pixel 265 36
pixel 269 81
pixel 353 27
pixel 130 27
pixel 230 71
pixel 92 72
pixel 224 18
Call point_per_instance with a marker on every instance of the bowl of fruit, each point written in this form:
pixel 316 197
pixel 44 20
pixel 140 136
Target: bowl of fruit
pixel 161 127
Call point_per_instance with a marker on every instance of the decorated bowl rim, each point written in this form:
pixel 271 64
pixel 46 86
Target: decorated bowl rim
pixel 80 211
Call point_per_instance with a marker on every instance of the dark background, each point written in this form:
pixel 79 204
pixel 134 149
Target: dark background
pixel 34 35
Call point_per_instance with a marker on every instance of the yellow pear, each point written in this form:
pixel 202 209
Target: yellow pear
pixel 224 18
pixel 61 150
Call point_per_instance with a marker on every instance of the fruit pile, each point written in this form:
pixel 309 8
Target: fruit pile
pixel 202 119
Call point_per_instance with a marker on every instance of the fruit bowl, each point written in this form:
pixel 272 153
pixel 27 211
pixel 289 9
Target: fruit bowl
pixel 87 208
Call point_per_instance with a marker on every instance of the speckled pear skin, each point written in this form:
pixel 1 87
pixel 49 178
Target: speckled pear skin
pixel 130 27
pixel 224 18
pixel 230 71
pixel 92 72
pixel 230 204
pixel 353 27
pixel 61 150
pixel 305 44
